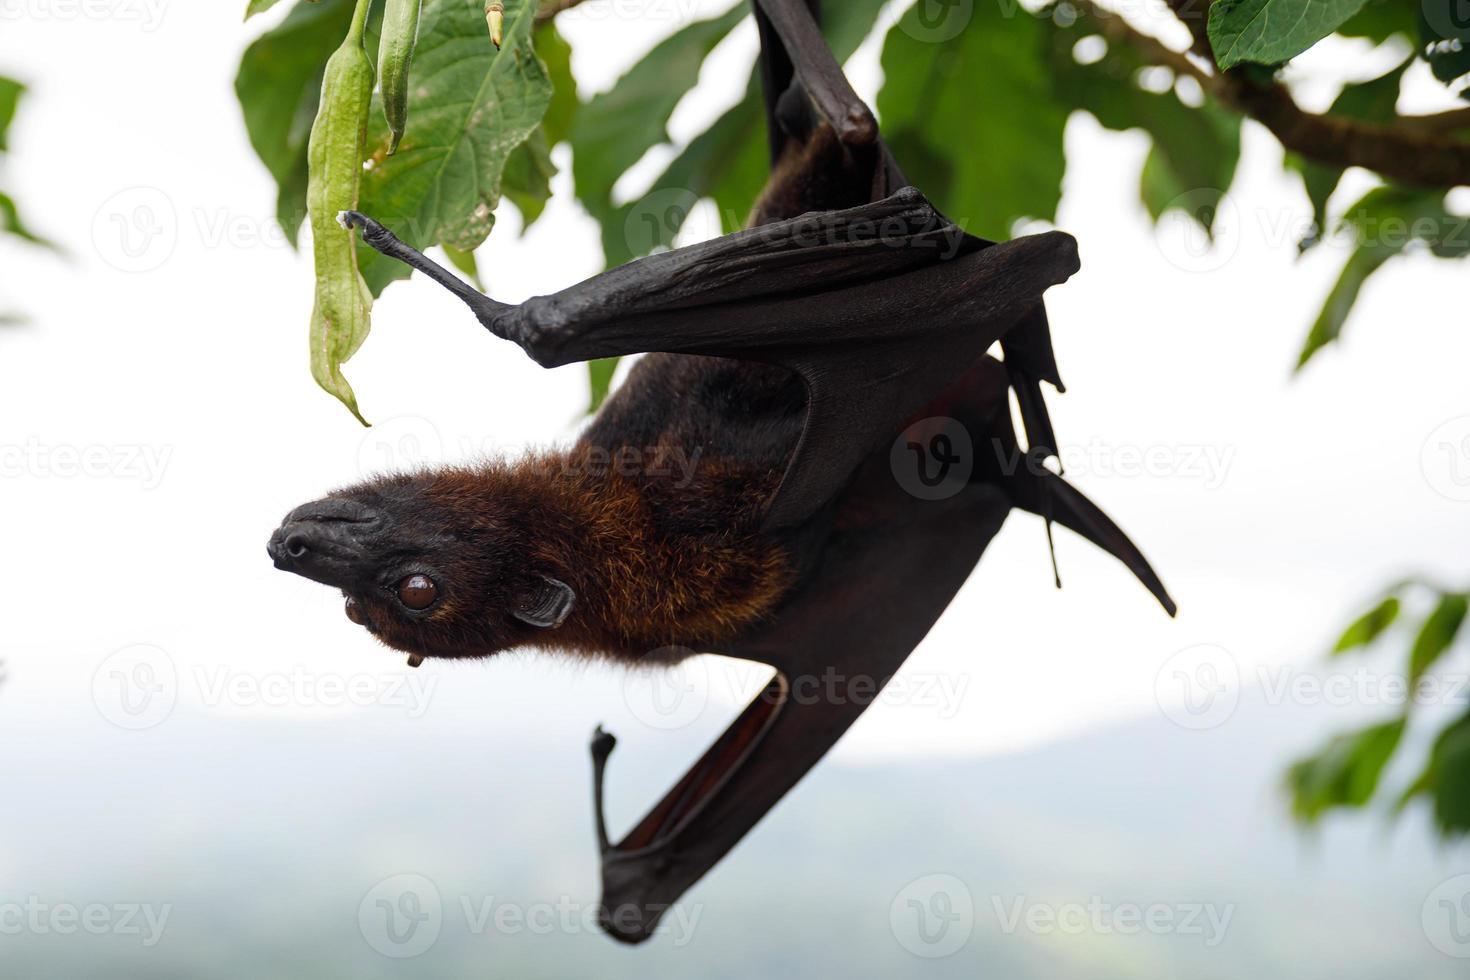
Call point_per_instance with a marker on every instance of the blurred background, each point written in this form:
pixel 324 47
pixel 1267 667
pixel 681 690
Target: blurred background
pixel 208 771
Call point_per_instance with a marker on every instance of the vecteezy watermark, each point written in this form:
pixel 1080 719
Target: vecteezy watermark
pixel 933 916
pixel 1361 686
pixel 938 21
pixel 1100 917
pixel 404 915
pixel 412 444
pixel 139 686
pixel 1445 459
pixel 1198 687
pixel 147 14
pixel 401 916
pixel 299 688
pixel 1199 231
pixel 37 917
pixel 96 461
pixel 136 687
pixel 136 230
pixel 661 216
pixel 933 459
pixel 676 689
pixel 1446 917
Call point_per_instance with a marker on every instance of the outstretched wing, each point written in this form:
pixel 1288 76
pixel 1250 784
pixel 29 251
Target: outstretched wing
pixel 876 307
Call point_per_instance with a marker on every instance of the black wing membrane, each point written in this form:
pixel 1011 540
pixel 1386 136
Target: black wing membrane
pixel 876 307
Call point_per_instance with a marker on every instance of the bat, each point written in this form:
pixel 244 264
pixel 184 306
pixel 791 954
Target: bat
pixel 845 452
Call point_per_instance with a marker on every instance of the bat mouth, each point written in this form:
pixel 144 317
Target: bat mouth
pixel 672 846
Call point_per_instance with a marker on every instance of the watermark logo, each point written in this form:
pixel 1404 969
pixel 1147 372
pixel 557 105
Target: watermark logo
pixel 136 687
pixel 1099 917
pixel 933 916
pixel 659 217
pixel 401 916
pixel 1180 233
pixel 148 14
pixel 1445 459
pixel 937 21
pixel 403 444
pixel 933 458
pixel 143 464
pixel 1449 19
pixel 1446 917
pixel 136 230
pixel 673 694
pixel 1198 687
pixel 36 917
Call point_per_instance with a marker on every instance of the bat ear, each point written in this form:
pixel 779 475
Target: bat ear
pixel 548 605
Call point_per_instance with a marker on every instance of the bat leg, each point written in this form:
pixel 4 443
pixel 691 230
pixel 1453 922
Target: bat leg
pixel 793 50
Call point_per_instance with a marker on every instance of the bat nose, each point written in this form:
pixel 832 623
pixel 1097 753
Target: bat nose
pixel 325 540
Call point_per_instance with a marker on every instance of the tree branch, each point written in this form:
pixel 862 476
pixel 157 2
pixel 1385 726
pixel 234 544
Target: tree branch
pixel 1414 150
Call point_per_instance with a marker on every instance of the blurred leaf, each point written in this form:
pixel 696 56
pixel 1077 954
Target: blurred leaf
pixel 729 162
pixel 1384 222
pixel 10 222
pixel 259 7
pixel 1381 19
pixel 1345 773
pixel 1444 38
pixel 527 177
pixel 1446 779
pixel 1195 149
pixel 600 375
pixel 973 120
pixel 10 93
pixel 556 52
pixel 471 107
pixel 465 262
pixel 1369 626
pixel 278 85
pixel 1374 101
pixel 613 131
pixel 1437 633
pixel 1269 32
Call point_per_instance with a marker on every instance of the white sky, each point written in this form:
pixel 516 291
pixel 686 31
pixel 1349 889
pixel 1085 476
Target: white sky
pixel 1279 505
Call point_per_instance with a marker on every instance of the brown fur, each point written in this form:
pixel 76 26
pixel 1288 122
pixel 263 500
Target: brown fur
pixel 655 563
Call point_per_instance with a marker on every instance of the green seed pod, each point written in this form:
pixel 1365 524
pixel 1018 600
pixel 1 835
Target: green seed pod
pixel 395 54
pixel 340 317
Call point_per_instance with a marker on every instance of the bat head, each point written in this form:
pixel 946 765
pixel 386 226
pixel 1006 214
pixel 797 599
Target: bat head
pixel 427 563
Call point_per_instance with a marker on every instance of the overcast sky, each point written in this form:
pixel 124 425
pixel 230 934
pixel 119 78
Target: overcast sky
pixel 1272 507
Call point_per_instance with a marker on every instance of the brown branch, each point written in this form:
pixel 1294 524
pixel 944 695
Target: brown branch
pixel 1413 150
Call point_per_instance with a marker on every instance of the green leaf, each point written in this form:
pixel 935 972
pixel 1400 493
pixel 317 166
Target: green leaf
pixel 1269 32
pixel 1345 773
pixel 973 119
pixel 556 52
pixel 613 131
pixel 11 223
pixel 465 263
pixel 470 107
pixel 1373 101
pixel 1369 626
pixel 1380 20
pixel 1446 779
pixel 600 375
pixel 527 177
pixel 1444 41
pixel 1195 149
pixel 258 7
pixel 1384 222
pixel 1437 633
pixel 278 85
pixel 729 162
pixel 10 93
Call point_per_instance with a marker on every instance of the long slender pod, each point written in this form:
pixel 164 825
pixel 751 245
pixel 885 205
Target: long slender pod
pixel 395 55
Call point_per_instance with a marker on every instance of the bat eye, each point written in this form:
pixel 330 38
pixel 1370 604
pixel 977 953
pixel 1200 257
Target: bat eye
pixel 417 592
pixel 354 612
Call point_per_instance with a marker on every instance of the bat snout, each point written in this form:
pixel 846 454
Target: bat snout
pixel 327 541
